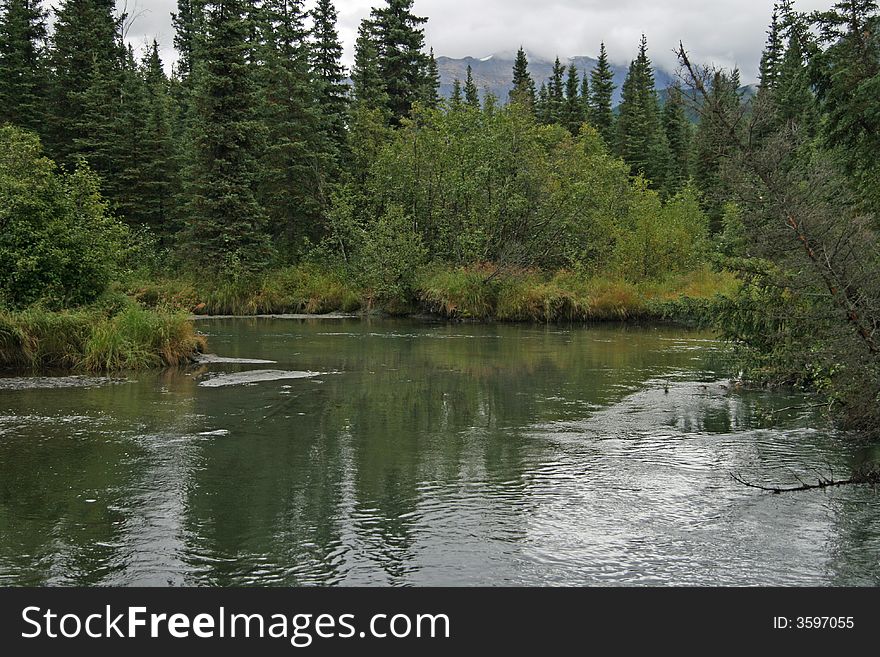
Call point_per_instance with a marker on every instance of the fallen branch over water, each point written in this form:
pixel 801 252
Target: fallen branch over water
pixel 869 477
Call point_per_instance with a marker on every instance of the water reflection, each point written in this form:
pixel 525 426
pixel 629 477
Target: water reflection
pixel 425 454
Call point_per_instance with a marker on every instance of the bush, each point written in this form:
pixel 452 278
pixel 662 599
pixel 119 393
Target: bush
pixel 390 260
pixel 58 243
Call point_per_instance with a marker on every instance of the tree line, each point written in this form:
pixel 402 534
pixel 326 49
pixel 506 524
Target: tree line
pixel 235 157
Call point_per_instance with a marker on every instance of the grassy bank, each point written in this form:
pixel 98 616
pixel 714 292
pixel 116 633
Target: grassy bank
pixel 478 293
pixel 96 339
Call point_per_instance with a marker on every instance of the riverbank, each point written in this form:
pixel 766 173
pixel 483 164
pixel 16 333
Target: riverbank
pixel 474 293
pixel 149 324
pixel 97 339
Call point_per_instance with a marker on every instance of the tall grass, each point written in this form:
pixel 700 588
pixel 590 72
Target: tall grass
pixel 301 289
pixel 530 296
pixel 91 340
pixel 479 292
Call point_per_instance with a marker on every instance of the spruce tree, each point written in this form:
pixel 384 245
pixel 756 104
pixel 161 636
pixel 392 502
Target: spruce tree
pixel 431 93
pixel 23 71
pixel 456 101
pixel 523 85
pixel 330 74
pixel 471 93
pixel 679 137
pixel 159 168
pixel 771 58
pixel 585 96
pixel 573 115
pixel 125 150
pixel 640 139
pixel 226 226
pixel 86 60
pixel 601 114
pixel 846 77
pixel 542 105
pixel 368 85
pixel 400 40
pixel 555 94
pixel 713 144
pixel 793 99
pixel 188 24
pixel 143 184
pixel 301 148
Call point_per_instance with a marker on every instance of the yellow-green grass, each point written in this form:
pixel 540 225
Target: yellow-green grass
pixel 91 340
pixel 479 292
pixel 529 296
pixel 304 289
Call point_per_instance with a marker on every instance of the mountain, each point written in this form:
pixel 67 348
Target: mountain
pixel 495 73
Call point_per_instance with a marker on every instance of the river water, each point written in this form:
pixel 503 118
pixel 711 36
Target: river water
pixel 380 452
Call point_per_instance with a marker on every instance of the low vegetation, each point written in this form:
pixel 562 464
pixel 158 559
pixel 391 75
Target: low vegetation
pixel 96 339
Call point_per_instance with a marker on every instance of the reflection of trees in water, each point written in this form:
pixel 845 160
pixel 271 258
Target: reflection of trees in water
pixel 855 538
pixel 85 447
pixel 414 414
pixel 317 497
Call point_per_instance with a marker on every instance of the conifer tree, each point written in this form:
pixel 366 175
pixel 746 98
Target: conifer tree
pixel 679 137
pixel 601 114
pixel 523 85
pixel 793 98
pixel 542 105
pixel 556 94
pixel 846 77
pixel 23 71
pixel 159 167
pixel 573 115
pixel 400 40
pixel 640 139
pixel 771 59
pixel 86 60
pixel 301 145
pixel 471 93
pixel 188 24
pixel 124 150
pixel 369 87
pixel 329 73
pixel 456 101
pixel 143 181
pixel 713 144
pixel 585 96
pixel 226 226
pixel 431 92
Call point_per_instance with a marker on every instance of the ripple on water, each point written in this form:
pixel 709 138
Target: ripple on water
pixel 57 382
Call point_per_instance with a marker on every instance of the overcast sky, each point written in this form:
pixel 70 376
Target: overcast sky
pixel 724 32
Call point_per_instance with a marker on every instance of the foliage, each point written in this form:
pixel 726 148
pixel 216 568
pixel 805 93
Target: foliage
pixel 498 187
pixel 662 239
pixel 23 70
pixel 59 245
pixel 226 228
pixel 601 112
pixel 640 138
pixel 390 257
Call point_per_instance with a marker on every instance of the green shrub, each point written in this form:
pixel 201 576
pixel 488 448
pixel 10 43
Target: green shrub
pixel 58 244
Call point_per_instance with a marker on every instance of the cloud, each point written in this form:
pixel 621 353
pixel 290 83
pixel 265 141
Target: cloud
pixel 724 32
